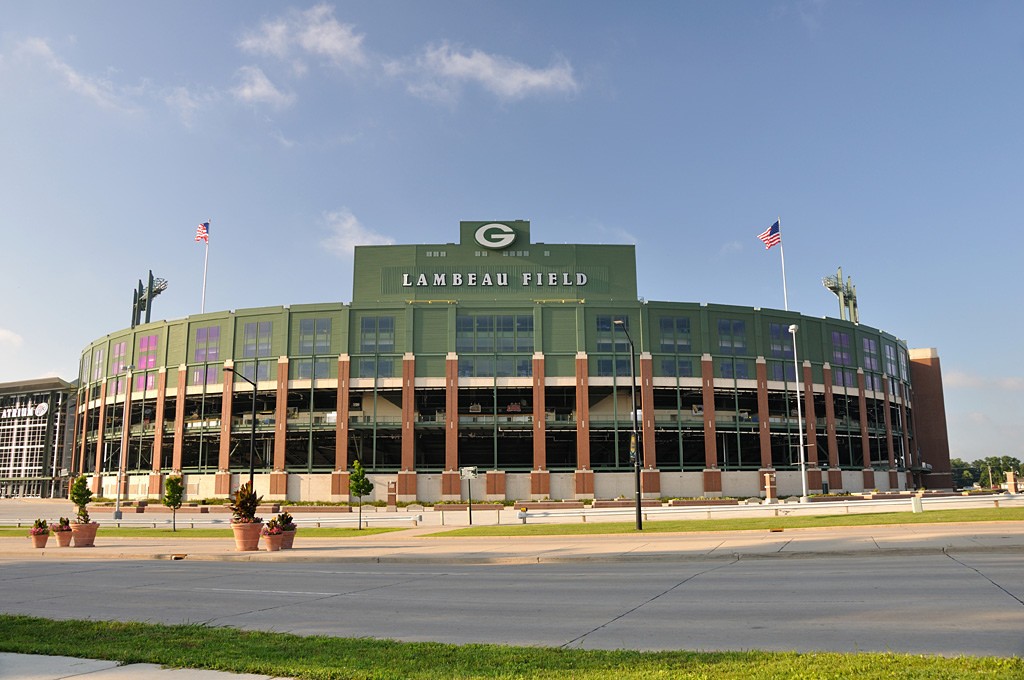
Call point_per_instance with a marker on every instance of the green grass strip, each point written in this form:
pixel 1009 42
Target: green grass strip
pixel 323 658
pixel 594 526
pixel 165 532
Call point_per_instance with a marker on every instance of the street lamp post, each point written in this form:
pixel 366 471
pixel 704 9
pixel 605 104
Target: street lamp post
pixel 252 432
pixel 124 441
pixel 799 416
pixel 634 440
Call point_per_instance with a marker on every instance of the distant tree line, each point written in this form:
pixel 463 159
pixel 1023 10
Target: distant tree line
pixel 984 472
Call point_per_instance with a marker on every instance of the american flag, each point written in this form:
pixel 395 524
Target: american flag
pixel 771 236
pixel 203 232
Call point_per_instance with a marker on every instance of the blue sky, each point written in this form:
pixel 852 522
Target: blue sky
pixel 886 135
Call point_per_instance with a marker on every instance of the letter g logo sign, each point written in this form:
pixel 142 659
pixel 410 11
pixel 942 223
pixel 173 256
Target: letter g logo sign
pixel 495 235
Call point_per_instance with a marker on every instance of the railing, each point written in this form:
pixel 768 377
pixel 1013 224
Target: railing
pixel 216 523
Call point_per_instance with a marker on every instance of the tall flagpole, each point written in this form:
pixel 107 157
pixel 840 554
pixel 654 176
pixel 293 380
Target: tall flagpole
pixel 782 253
pixel 206 261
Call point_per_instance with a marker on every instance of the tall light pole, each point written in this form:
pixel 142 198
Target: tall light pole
pixel 124 440
pixel 799 415
pixel 634 441
pixel 252 432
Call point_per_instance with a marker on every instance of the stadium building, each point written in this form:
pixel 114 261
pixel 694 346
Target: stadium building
pixel 35 443
pixel 514 357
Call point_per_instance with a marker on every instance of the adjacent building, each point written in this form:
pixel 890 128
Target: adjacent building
pixel 35 445
pixel 520 358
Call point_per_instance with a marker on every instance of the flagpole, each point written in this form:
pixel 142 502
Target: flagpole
pixel 206 261
pixel 782 254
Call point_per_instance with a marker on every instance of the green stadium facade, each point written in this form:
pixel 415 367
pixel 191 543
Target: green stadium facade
pixel 513 357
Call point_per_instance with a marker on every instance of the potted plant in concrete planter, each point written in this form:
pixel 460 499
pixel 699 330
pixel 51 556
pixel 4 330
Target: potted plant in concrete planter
pixel 62 530
pixel 273 535
pixel 39 533
pixel 287 524
pixel 244 522
pixel 83 530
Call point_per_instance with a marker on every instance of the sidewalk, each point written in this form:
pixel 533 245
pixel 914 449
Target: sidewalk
pixel 430 545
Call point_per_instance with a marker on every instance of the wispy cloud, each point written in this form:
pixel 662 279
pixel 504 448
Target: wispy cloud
pixel 100 91
pixel 314 33
pixel 9 339
pixel 188 103
pixel 965 380
pixel 347 232
pixel 441 71
pixel 730 248
pixel 256 88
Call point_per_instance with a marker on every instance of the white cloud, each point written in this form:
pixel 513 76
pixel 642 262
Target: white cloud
pixel 347 232
pixel 314 32
pixel 441 71
pixel 256 88
pixel 101 91
pixel 730 247
pixel 188 103
pixel 10 339
pixel 972 381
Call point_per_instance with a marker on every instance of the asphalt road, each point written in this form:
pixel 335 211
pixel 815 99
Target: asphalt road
pixel 969 603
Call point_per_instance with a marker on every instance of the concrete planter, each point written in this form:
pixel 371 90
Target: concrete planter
pixel 247 535
pixel 84 535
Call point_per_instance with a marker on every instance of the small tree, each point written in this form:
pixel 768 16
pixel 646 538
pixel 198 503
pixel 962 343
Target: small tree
pixel 359 486
pixel 174 493
pixel 81 496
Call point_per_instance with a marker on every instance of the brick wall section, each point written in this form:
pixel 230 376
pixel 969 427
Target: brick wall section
pixel 930 416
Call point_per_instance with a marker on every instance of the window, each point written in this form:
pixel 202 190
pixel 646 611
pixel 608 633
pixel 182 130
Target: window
pixel 256 339
pixel 675 334
pixel 307 369
pixel 890 360
pixel 841 349
pixel 677 368
pixel 904 372
pixel 781 371
pixel 844 377
pixel 146 357
pixel 376 334
pixel 314 336
pixel 207 344
pixel 374 367
pixel 780 341
pixel 871 360
pixel 611 337
pixel 97 364
pixel 730 368
pixel 618 367
pixel 501 333
pixel 118 358
pixel 732 337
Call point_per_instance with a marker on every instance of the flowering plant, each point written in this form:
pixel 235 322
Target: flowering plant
pixel 272 528
pixel 63 524
pixel 39 528
pixel 285 521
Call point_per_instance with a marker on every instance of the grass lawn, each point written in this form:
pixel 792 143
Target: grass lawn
pixel 279 654
pixel 746 523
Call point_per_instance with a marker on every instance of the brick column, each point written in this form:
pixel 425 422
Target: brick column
pixel 179 418
pixel 494 488
pixel 451 485
pixel 156 479
pixel 278 477
pixel 540 426
pixel 99 439
pixel 650 476
pixel 835 472
pixel 712 475
pixel 222 479
pixel 764 429
pixel 582 412
pixel 890 446
pixel 339 477
pixel 407 475
pixel 864 441
pixel 811 431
